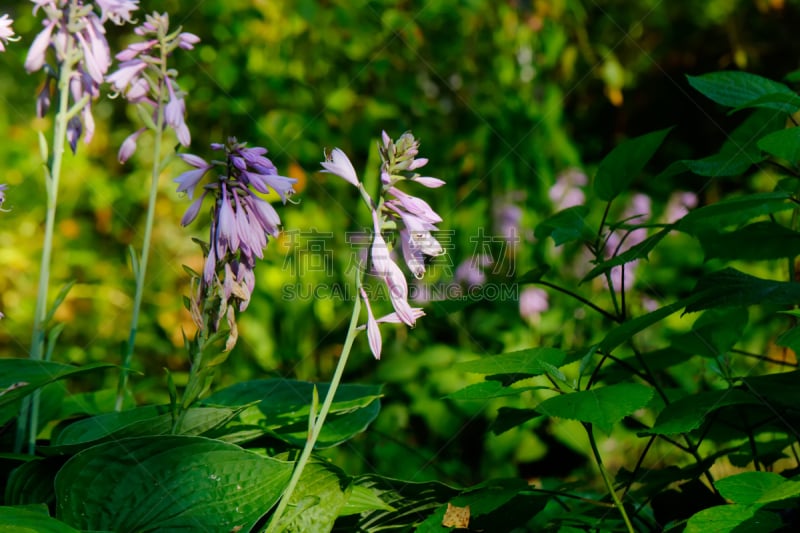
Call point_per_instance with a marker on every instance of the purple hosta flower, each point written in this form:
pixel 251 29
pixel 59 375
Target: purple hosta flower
pixel 567 192
pixel 143 77
pixel 412 217
pixel 6 32
pixel 471 273
pixel 241 221
pixel 678 205
pixel 532 303
pixel 76 34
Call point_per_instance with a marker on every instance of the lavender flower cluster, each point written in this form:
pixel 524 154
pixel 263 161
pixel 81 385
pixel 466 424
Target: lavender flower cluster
pixel 413 217
pixel 241 221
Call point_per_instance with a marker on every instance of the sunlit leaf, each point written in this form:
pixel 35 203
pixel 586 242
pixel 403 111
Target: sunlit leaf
pixel 603 406
pixel 688 413
pixel 783 144
pixel 748 487
pixel 167 483
pixel 530 362
pixel 736 517
pixel 28 519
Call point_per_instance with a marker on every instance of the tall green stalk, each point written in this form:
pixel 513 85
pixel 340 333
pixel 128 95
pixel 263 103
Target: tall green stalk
pixel 141 271
pixel 319 421
pixel 607 479
pixel 29 415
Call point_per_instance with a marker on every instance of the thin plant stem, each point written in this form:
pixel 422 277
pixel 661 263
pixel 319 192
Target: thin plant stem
pixel 29 415
pixel 274 524
pixel 607 479
pixel 141 271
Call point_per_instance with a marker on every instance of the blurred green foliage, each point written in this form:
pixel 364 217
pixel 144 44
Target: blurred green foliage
pixel 505 96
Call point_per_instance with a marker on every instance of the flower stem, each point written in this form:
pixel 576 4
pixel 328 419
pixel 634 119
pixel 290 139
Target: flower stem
pixel 122 385
pixel 29 415
pixel 274 524
pixel 607 479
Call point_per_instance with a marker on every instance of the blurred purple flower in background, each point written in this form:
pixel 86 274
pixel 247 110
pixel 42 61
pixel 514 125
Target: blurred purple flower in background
pixel 241 222
pixel 567 191
pixel 77 36
pixel 533 301
pixel 678 205
pixel 143 76
pixel 6 32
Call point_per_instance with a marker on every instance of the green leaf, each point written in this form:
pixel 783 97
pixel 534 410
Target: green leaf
pixel 510 417
pixel 27 520
pixel 732 288
pixel 754 242
pixel 733 212
pixel 735 89
pixel 532 362
pixel 783 144
pixel 790 339
pixel 738 518
pixel 283 408
pixel 738 153
pixel 32 482
pixel 748 487
pixel 168 483
pixel 62 294
pixel 566 226
pixel 688 413
pixel 410 503
pixel 627 330
pixel 786 490
pixel 20 377
pixel 714 333
pixel 321 493
pixel 603 407
pixel 778 389
pixel 786 102
pixel 640 251
pixel 141 421
pixel 486 390
pixel 624 163
pixel 363 500
pixel 534 275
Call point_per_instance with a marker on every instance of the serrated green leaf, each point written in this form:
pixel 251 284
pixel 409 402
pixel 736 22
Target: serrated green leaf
pixel 732 288
pixel 566 226
pixel 603 407
pixel 734 88
pixel 27 520
pixel 625 162
pixel 634 253
pixel 748 487
pixel 714 333
pixel 528 362
pixel 738 518
pixel 733 212
pixel 167 483
pixel 284 405
pixel 688 413
pixel 488 389
pixel 783 144
pixel 755 242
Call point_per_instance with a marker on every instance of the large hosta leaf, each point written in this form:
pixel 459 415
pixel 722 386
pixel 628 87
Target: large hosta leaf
pixel 168 483
pixel 31 519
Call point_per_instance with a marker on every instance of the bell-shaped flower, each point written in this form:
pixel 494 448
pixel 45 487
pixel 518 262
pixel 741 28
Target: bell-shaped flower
pixel 339 164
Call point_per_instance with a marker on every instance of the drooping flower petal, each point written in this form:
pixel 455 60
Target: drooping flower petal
pixel 373 332
pixel 338 163
pixel 128 146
